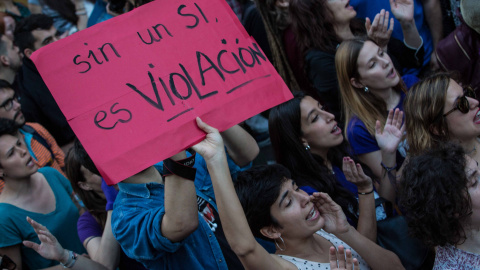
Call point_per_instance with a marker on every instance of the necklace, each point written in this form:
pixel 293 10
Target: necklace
pixel 473 151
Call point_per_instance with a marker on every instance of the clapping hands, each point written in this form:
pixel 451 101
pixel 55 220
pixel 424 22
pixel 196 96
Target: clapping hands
pixel 402 10
pixel 354 174
pixel 379 31
pixel 49 247
pixel 392 133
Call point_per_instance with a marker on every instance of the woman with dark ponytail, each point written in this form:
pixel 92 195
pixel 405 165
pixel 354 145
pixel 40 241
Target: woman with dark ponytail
pixel 307 140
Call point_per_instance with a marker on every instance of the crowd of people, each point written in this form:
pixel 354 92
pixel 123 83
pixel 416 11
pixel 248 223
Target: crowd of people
pixel 373 164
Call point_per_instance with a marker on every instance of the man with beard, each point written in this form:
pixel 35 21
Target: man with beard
pixel 41 145
pixel 38 104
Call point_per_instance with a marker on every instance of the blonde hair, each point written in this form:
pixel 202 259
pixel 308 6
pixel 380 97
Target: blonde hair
pixel 355 101
pixel 424 106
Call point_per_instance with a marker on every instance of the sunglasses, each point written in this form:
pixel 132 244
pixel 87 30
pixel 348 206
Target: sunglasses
pixel 7 263
pixel 462 103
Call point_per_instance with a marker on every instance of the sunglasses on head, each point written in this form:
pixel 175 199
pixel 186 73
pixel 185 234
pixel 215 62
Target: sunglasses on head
pixel 7 263
pixel 462 103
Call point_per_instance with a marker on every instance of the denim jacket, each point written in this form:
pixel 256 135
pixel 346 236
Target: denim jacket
pixel 137 218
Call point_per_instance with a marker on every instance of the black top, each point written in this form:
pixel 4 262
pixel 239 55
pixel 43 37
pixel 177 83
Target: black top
pixel 38 104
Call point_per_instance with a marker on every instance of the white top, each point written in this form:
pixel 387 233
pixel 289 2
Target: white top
pixel 302 264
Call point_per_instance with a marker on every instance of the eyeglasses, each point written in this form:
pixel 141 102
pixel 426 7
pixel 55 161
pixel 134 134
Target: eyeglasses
pixel 462 103
pixel 8 104
pixel 7 263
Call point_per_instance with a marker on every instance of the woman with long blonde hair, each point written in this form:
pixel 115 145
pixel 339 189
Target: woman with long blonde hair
pixel 370 87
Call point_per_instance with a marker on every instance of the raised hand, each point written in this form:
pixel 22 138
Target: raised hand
pixel 212 146
pixel 335 220
pixel 379 30
pixel 392 133
pixel 402 10
pixel 354 174
pixel 49 247
pixel 342 259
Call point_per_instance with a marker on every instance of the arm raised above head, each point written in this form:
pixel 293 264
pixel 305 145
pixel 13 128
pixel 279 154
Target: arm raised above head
pixel 234 222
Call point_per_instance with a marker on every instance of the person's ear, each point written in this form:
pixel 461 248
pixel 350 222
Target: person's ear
pixel 4 60
pixel 27 52
pixel 270 232
pixel 356 83
pixel 304 142
pixel 84 186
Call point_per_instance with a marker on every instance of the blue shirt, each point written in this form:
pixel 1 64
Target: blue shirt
pixel 137 219
pixel 370 8
pixel 361 141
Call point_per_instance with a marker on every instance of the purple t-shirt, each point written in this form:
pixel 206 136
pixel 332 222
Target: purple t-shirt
pixel 87 226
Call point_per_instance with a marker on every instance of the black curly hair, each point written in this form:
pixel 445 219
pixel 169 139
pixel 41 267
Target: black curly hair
pixel 434 195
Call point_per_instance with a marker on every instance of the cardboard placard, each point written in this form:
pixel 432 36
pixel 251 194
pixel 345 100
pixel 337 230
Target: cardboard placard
pixel 131 87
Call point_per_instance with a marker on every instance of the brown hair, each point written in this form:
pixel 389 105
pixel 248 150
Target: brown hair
pixel 93 202
pixel 313 22
pixel 424 106
pixel 355 101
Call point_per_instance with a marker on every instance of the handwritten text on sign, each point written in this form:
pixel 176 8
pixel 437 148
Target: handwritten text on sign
pixel 130 87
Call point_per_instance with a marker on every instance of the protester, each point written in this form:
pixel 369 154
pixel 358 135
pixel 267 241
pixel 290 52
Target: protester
pixel 276 209
pixel 50 249
pixel 428 19
pixel 68 16
pixel 370 88
pixel 38 103
pixel 307 140
pixel 440 195
pixel 95 226
pixel 438 110
pixel 43 194
pixel 321 25
pixel 41 145
pixel 13 8
pixel 173 223
pixel 460 51
pixel 7 25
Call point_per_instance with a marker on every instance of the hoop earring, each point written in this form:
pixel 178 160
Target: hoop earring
pixel 307 147
pixel 366 89
pixel 284 246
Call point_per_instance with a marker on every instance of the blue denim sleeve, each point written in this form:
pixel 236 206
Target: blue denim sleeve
pixel 136 224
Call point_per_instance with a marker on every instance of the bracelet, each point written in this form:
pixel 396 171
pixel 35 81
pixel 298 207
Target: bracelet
pixel 183 168
pixel 365 193
pixel 388 169
pixel 80 13
pixel 72 259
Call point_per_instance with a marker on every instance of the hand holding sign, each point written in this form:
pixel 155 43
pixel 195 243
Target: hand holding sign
pixel 132 86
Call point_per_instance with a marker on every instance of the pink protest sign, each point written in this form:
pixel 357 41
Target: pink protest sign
pixel 132 86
